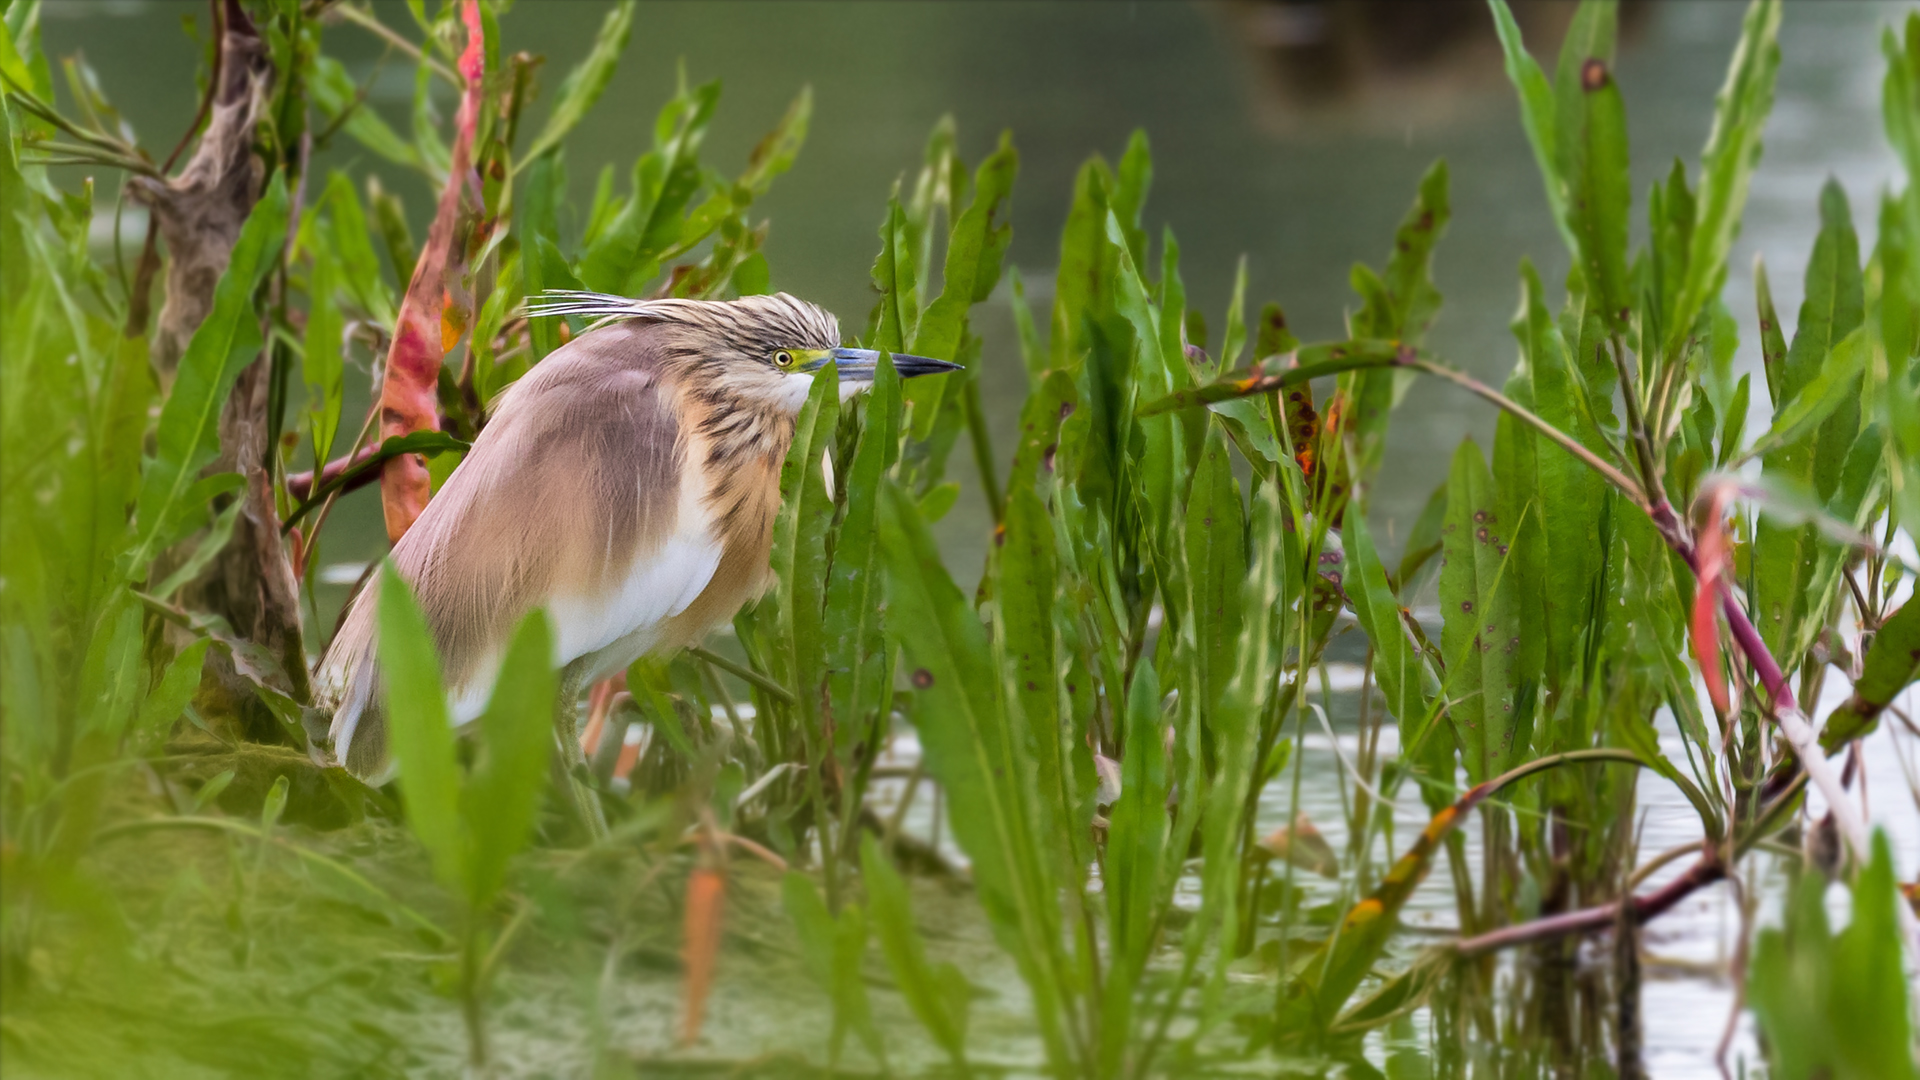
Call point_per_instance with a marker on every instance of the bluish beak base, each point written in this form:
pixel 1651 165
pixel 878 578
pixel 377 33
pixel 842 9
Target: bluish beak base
pixel 860 364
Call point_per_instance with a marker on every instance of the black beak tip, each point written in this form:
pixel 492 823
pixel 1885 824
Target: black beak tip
pixel 914 366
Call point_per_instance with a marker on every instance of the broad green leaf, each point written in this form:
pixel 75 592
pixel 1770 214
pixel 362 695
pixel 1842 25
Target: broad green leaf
pixel 1480 631
pixel 1551 500
pixel 1026 575
pixel 1727 163
pixel 1235 727
pixel 800 533
pixel 587 81
pixel 1590 132
pixel 972 750
pixel 227 341
pixel 858 654
pixel 218 536
pixel 502 793
pixel 1131 182
pixel 419 731
pixel 1083 247
pixel 1834 307
pixel 1216 564
pixel 1784 557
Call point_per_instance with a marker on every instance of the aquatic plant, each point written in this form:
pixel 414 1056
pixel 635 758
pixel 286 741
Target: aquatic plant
pixel 1181 535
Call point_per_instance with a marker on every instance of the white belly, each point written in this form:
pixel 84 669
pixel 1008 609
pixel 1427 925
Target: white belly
pixel 614 626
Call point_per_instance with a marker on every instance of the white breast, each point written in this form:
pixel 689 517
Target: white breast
pixel 657 587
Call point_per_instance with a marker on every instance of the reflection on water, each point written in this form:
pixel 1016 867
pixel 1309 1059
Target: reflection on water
pixel 1302 199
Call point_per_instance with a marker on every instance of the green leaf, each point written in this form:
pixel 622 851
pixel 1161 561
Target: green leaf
pixel 587 81
pixel 1132 872
pixel 1900 93
pixel 1216 553
pixel 1399 667
pixel 1835 1005
pixel 502 795
pixel 353 251
pixel 227 341
pixel 1892 665
pixel 1819 398
pixel 1551 500
pixel 626 254
pixel 1785 556
pixel 1835 306
pixel 800 553
pixel 971 748
pixel 897 312
pixel 1538 114
pixel 419 731
pixel 858 656
pixel 167 700
pixel 1727 163
pixel 1773 339
pixel 941 1012
pixel 1083 246
pixel 1480 631
pixel 320 361
pixel 833 950
pixel 1590 129
pixel 334 94
pixel 1234 727
pixel 975 250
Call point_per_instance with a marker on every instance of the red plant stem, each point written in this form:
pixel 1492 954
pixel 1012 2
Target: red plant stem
pixel 1705 871
pixel 432 315
pixel 300 485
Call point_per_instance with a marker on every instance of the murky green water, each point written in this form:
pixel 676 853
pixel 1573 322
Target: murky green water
pixel 1301 194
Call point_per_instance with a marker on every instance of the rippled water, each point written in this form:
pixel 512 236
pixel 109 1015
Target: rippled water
pixel 1301 195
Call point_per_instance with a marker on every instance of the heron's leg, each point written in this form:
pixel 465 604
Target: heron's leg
pixel 570 763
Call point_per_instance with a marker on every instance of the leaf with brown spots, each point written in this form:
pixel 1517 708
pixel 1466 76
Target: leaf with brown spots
pixel 1481 628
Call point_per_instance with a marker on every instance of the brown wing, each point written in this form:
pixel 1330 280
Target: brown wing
pixel 575 476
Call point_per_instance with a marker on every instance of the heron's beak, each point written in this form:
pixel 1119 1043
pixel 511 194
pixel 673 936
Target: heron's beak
pixel 858 365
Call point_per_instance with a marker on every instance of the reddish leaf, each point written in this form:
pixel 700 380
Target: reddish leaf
pixel 706 900
pixel 1711 549
pixel 434 305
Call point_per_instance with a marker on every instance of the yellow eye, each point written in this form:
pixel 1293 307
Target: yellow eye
pixel 783 358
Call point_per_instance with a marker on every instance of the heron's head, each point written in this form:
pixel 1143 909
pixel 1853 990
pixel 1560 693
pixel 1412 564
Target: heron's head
pixel 763 349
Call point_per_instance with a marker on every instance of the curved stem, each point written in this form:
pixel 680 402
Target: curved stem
pixel 775 690
pixel 1526 416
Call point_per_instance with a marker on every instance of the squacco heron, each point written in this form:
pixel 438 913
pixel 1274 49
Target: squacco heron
pixel 628 485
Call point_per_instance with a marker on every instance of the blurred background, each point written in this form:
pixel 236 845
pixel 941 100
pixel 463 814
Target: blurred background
pixel 1292 134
